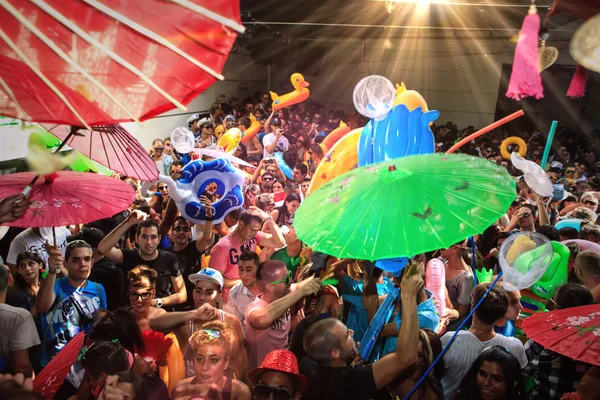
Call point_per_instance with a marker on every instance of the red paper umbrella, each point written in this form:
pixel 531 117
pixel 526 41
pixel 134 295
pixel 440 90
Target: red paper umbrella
pixel 50 379
pixel 111 146
pixel 131 60
pixel 157 345
pixel 572 332
pixel 66 197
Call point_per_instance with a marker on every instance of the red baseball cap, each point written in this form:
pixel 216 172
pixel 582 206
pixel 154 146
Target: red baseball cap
pixel 282 361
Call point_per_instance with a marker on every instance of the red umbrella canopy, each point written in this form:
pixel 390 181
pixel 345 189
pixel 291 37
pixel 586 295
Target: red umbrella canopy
pixel 67 197
pixel 50 379
pixel 131 59
pixel 111 146
pixel 572 332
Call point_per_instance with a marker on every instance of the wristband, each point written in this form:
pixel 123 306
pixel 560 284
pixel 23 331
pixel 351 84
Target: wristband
pixel 158 303
pixel 209 219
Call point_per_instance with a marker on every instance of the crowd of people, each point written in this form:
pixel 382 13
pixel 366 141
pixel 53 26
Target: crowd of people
pixel 253 313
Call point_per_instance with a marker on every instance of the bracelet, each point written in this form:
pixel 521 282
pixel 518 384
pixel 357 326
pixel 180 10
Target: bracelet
pixel 209 219
pixel 270 218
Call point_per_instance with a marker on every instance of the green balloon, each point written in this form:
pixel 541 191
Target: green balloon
pixel 84 164
pixel 556 274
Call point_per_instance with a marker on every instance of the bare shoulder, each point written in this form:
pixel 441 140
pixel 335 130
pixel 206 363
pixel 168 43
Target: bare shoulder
pixel 240 390
pixel 155 312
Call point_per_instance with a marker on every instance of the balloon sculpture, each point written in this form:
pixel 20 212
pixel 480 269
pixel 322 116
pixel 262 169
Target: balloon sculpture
pixel 401 131
pixel 336 135
pixel 252 130
pixel 299 94
pixel 230 140
pixel 183 140
pixel 340 158
pixel 435 281
pixel 286 169
pixel 197 175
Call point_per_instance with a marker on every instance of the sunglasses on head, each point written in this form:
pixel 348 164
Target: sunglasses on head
pixel 182 229
pixel 262 391
pixel 287 279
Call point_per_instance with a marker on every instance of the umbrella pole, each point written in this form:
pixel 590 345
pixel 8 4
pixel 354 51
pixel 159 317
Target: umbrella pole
pixel 54 236
pixel 73 131
pixel 445 349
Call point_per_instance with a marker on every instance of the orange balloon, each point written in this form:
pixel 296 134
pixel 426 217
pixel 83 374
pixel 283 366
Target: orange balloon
pixel 410 98
pixel 336 135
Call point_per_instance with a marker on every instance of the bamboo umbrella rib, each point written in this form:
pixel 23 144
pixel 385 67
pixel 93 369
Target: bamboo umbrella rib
pixel 115 57
pixel 211 15
pixel 43 77
pixel 20 111
pixel 152 35
pixel 48 42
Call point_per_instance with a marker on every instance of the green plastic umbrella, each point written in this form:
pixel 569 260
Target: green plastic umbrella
pixel 85 164
pixel 405 206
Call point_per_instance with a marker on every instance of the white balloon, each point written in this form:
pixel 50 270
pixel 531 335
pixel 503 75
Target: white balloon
pixel 524 258
pixel 374 96
pixel 535 177
pixel 183 140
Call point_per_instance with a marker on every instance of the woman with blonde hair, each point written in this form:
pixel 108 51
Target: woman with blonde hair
pixel 212 346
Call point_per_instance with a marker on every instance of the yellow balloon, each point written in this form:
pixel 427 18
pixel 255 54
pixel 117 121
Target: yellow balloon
pixel 229 141
pixel 342 158
pixel 219 130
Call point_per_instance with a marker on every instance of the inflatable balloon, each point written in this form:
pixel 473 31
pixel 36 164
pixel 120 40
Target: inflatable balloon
pixel 252 130
pixel 374 96
pixel 212 153
pixel 569 223
pixel 183 140
pixel 535 177
pixel 341 158
pixel 513 140
pixel 557 273
pixel 197 175
pixel 393 265
pixel 521 266
pixel 229 141
pixel 401 133
pixel 336 135
pixel 435 281
pixel 287 171
pixel 85 164
pixel 410 98
pixel 174 371
pixel 584 245
pixel 299 94
pixel 219 130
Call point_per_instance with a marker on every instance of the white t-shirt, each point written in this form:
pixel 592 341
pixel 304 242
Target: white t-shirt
pixel 28 240
pixel 282 145
pixel 18 331
pixel 465 350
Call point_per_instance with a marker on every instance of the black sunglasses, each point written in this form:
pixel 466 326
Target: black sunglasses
pixel 144 296
pixel 182 229
pixel 262 391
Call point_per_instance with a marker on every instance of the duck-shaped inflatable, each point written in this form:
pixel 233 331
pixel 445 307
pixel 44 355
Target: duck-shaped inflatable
pixel 299 94
pixel 410 98
pixel 249 133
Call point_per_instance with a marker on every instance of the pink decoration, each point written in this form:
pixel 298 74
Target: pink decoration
pixel 525 79
pixel 578 83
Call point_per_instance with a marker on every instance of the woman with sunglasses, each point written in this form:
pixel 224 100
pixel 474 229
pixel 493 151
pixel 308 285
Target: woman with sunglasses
pixel 212 346
pixel 142 289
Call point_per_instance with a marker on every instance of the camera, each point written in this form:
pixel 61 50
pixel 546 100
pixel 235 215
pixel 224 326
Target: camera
pixel 526 215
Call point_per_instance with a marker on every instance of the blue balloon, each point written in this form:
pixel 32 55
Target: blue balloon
pixel 569 223
pixel 287 171
pixel 365 145
pixel 393 265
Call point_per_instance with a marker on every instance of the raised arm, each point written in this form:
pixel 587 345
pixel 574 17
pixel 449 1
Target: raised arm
pixel 106 246
pixel 263 318
pixel 206 237
pixel 45 296
pixel 389 367
pixel 268 123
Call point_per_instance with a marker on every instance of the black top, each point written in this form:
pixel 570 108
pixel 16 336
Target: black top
pixel 165 264
pixel 190 261
pixel 346 383
pixel 106 273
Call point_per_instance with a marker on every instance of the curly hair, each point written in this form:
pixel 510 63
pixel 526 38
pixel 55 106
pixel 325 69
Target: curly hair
pixel 213 333
pixel 137 277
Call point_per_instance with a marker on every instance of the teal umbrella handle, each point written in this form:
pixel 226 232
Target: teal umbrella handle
pixel 548 144
pixel 445 349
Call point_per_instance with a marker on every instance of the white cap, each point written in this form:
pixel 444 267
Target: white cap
pixel 208 274
pixel 193 118
pixel 205 121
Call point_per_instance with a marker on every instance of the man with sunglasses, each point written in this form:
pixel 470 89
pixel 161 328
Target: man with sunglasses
pixel 68 305
pixel 274 139
pixel 206 138
pixel 278 376
pixel 268 320
pixel 189 253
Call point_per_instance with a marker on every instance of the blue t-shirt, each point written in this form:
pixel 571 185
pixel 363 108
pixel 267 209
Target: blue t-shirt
pixel 358 317
pixel 74 310
pixel 507 330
